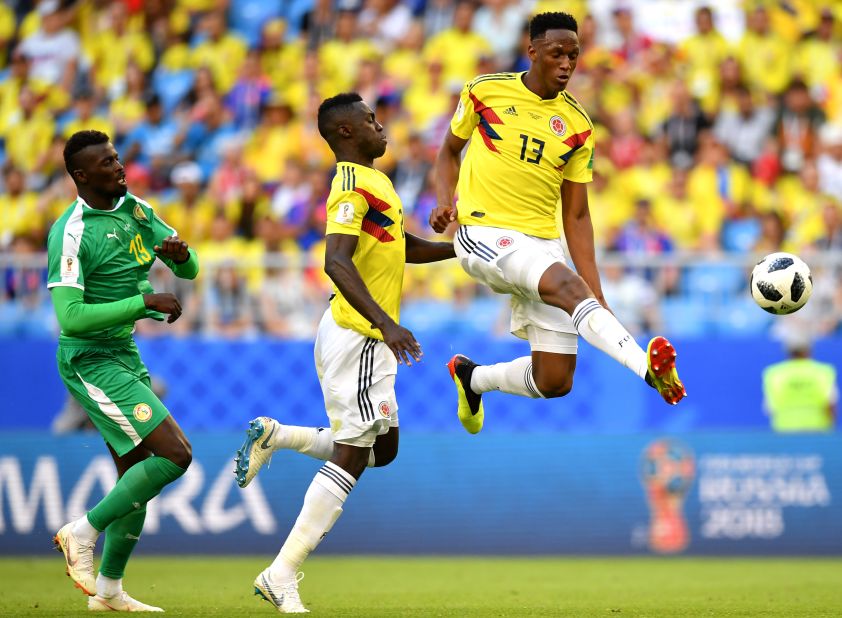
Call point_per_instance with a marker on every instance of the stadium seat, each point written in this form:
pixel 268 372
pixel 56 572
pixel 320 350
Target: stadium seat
pixel 741 316
pixel 685 317
pixel 248 16
pixel 172 86
pixel 713 282
pixel 740 235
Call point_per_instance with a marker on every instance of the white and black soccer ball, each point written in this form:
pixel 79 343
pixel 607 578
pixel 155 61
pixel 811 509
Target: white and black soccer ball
pixel 781 283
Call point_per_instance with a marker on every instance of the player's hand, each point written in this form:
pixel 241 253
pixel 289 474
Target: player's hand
pixel 402 342
pixel 173 248
pixel 164 303
pixel 441 217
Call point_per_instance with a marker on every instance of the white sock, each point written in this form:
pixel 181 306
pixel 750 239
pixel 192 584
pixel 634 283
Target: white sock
pixel 316 442
pixel 514 377
pixel 603 331
pixel 108 588
pixel 322 507
pixel 84 531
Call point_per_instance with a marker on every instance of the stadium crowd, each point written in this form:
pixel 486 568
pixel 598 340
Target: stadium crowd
pixel 705 143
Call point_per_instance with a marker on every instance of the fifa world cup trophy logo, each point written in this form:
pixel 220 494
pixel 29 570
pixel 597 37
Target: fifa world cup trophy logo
pixel 666 472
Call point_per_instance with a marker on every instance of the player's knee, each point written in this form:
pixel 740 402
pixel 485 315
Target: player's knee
pixel 554 387
pixel 384 458
pixel 182 455
pixel 563 288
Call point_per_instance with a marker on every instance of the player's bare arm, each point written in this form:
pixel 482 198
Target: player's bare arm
pixel 448 162
pixel 340 267
pixel 578 230
pixel 421 251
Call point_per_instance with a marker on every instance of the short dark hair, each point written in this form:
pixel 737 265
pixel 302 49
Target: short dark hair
pixel 331 108
pixel 542 22
pixel 79 141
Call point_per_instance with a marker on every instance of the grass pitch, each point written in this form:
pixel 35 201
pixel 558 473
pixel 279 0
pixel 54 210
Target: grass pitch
pixel 464 587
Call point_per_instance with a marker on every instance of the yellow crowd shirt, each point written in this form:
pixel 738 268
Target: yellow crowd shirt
pixel 521 149
pixel 363 203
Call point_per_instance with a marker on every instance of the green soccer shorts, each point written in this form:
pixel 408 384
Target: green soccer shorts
pixel 113 386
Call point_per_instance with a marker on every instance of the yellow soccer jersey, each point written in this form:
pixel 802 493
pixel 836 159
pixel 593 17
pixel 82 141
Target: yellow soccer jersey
pixel 363 202
pixel 522 147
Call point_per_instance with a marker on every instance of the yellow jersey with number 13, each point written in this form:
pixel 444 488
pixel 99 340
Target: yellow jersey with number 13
pixel 363 203
pixel 521 149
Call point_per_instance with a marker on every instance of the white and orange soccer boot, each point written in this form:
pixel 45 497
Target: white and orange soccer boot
pixel 283 596
pixel 78 557
pixel 120 603
pixel 662 372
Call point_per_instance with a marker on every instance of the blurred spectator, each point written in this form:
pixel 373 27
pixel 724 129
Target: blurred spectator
pixel 229 307
pixel 772 233
pixel 341 56
pixel 409 178
pixel 404 64
pixel 800 394
pixel 19 214
pixel 129 108
pixel 290 306
pixel 744 131
pixel 85 116
pixel 226 183
pixel 249 207
pixel 190 211
pixel 640 237
pixel 54 49
pixel 28 133
pixel 438 16
pixel 30 314
pixel 385 22
pixel 704 52
pixel 817 57
pixel 499 22
pixel 219 49
pixel 830 161
pixel 319 23
pixel 7 30
pixel 765 57
pixel 458 47
pixel 151 142
pixel 632 43
pixel 682 127
pixel 249 93
pixel 272 142
pixel 831 236
pixel 797 125
pixel 208 135
pixel 632 298
pixel 112 47
pixel 625 143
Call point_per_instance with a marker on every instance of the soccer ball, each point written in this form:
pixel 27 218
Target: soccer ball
pixel 781 283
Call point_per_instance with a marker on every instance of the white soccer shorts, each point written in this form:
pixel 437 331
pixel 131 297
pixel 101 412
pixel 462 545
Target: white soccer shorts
pixel 357 375
pixel 510 262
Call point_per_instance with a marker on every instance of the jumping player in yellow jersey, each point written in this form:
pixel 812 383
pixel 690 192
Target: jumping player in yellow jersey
pixel 530 140
pixel 359 344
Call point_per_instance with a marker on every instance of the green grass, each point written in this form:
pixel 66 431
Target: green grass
pixel 370 587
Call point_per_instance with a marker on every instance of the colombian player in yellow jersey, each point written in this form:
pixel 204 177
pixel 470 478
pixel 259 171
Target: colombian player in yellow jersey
pixel 359 344
pixel 530 141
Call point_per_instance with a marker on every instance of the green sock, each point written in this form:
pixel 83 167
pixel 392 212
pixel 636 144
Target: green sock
pixel 120 538
pixel 142 482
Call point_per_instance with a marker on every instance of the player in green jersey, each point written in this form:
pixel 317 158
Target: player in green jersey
pixel 100 252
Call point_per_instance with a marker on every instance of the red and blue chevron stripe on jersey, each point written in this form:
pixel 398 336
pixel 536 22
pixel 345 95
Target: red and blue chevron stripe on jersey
pixel 575 142
pixel 374 221
pixel 487 117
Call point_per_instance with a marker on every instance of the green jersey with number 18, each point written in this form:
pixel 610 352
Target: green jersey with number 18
pixel 105 253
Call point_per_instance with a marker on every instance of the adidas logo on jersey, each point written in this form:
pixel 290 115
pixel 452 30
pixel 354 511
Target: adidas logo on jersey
pixel 511 111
